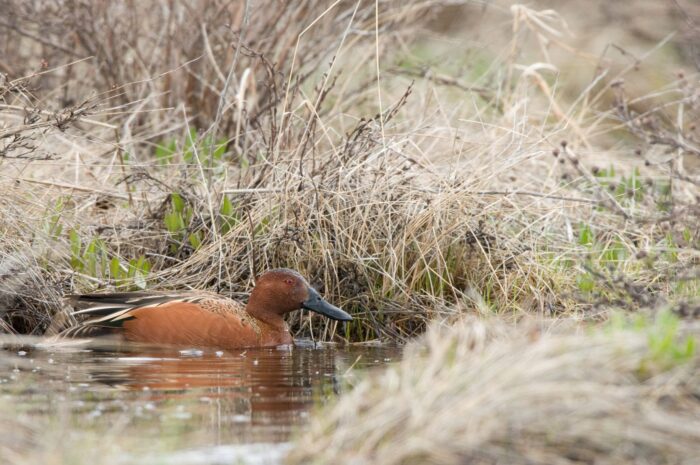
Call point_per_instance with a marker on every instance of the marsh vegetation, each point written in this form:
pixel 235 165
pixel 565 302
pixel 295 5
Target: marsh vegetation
pixel 512 191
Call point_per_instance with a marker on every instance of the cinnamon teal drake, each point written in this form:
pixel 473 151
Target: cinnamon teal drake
pixel 197 319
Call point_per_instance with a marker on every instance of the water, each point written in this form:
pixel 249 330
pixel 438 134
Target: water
pixel 187 406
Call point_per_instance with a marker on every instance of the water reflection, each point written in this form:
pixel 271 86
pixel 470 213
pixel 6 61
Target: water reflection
pixel 254 395
pixel 179 400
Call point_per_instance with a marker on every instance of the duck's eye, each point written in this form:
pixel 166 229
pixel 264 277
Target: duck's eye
pixel 289 281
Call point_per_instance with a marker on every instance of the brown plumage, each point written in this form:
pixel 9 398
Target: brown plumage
pixel 197 319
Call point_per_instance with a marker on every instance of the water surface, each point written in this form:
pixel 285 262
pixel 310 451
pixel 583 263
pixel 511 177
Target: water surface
pixel 100 405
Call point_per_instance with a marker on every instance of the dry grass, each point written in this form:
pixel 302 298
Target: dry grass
pixel 226 149
pixel 487 393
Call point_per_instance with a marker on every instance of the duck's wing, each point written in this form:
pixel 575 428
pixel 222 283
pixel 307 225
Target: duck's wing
pixel 104 313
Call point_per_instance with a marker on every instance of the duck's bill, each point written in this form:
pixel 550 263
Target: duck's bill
pixel 316 304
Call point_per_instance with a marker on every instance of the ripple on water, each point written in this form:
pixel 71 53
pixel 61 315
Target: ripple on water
pixel 184 406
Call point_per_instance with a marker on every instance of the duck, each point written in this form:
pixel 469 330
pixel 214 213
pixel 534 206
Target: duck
pixel 202 319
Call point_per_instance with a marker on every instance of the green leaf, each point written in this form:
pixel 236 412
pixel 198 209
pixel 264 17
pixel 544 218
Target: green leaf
pixel 90 258
pixel 689 347
pixel 145 265
pixel 585 235
pixel 75 247
pixel 187 215
pixel 177 202
pixel 194 239
pixel 687 235
pixel 75 243
pixel 115 268
pixel 228 215
pixel 220 149
pixel 585 282
pixel 226 207
pixel 161 153
pixel 173 222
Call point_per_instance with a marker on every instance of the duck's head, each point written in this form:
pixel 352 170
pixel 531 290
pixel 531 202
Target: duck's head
pixel 282 290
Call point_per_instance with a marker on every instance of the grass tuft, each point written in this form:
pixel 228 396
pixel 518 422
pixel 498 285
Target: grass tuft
pixel 486 392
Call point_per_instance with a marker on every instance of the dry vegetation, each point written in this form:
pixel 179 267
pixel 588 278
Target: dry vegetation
pixel 224 141
pixel 196 144
pixel 484 393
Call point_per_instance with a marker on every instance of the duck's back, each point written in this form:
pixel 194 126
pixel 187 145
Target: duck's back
pixel 195 320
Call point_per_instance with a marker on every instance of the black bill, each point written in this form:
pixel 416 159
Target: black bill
pixel 316 303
